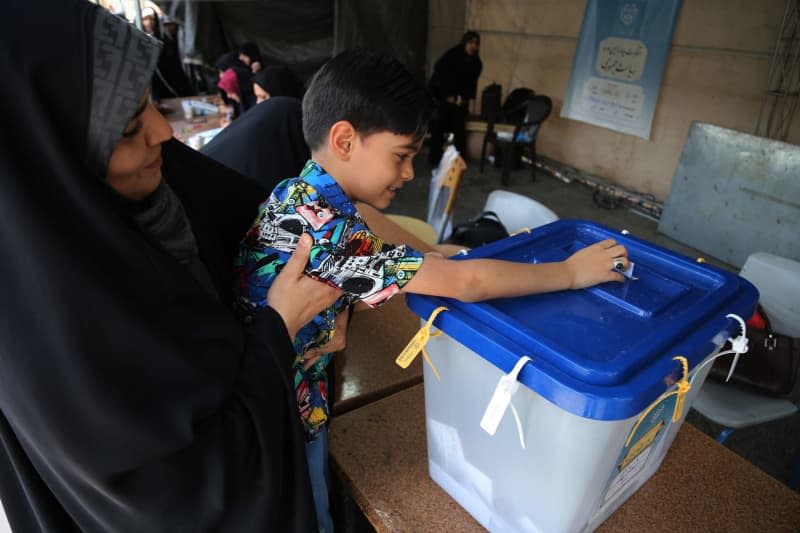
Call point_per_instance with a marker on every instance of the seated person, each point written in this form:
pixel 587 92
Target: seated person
pixel 170 79
pixel 265 144
pixel 235 86
pixel 229 60
pixel 364 119
pixel 150 22
pixel 276 80
pixel 250 55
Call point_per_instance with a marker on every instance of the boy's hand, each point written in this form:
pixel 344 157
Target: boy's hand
pixel 595 264
pixel 336 344
pixel 295 296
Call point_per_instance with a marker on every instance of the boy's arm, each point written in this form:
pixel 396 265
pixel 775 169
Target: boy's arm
pixel 482 279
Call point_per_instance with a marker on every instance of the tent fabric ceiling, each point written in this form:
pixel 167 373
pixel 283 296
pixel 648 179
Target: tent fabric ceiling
pixel 304 34
pixel 298 34
pixel 392 27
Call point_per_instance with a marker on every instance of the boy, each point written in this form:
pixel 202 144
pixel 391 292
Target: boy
pixel 364 119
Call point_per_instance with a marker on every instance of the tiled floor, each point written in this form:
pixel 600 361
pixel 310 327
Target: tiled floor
pixel 770 446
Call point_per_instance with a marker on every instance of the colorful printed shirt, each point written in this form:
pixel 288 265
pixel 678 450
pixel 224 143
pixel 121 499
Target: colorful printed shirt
pixel 345 254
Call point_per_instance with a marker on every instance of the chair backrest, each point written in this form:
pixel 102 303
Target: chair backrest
pixel 490 100
pixel 516 98
pixel 442 192
pixel 517 211
pixel 539 108
pixel 4 525
pixel 778 282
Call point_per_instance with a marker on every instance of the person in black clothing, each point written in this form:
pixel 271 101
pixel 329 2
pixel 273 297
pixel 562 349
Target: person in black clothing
pixel 150 22
pixel 266 144
pixel 228 60
pixel 276 80
pixel 131 397
pixel 170 80
pixel 453 84
pixel 250 55
pixel 244 83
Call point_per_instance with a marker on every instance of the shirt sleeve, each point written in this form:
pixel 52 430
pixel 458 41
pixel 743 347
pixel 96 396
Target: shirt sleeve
pixel 345 253
pixel 363 265
pixel 348 255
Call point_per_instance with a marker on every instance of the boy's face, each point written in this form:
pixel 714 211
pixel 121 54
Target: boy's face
pixel 380 164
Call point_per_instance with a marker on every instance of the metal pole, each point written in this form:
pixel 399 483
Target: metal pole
pixel 138 14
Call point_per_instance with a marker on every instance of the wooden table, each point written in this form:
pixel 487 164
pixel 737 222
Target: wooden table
pixel 182 128
pixel 379 452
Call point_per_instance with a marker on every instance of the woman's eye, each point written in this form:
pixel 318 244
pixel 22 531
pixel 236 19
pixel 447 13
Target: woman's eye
pixel 402 157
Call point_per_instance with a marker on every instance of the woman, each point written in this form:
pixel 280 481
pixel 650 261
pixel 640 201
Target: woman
pixel 131 399
pixel 235 83
pixel 265 144
pixel 453 84
pixel 276 80
pixel 237 91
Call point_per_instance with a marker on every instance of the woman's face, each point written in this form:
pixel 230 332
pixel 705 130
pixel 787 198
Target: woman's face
pixel 472 46
pixel 260 93
pixel 134 170
pixel 148 24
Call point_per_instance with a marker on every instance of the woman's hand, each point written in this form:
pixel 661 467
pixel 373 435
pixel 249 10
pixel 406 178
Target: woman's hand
pixel 297 297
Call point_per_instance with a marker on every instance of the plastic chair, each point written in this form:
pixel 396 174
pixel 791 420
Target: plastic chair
pixel 4 525
pixel 517 211
pixel 444 185
pixel 536 109
pixel 778 282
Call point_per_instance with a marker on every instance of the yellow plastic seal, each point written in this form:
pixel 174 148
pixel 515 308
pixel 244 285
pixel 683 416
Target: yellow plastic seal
pixel 417 345
pixel 682 388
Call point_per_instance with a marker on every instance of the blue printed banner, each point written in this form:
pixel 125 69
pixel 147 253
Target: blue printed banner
pixel 619 62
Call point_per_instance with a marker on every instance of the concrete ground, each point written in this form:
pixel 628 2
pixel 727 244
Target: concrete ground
pixel 770 446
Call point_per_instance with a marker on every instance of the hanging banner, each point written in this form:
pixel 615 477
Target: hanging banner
pixel 619 62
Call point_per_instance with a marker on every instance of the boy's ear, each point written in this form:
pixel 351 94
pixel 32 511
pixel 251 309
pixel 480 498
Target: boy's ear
pixel 341 139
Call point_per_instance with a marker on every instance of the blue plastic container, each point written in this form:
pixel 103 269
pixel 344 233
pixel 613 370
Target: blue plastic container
pixel 600 358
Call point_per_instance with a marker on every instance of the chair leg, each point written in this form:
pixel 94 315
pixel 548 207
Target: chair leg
pixel 508 154
pixel 533 161
pixel 794 480
pixel 483 153
pixel 723 436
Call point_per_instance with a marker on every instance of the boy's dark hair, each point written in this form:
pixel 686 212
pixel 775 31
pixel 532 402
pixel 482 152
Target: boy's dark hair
pixel 374 92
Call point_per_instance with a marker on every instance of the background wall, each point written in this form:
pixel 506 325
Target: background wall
pixel 716 73
pixel 446 23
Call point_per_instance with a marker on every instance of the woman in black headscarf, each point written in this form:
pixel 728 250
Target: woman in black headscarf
pixel 276 80
pixel 131 398
pixel 244 81
pixel 453 84
pixel 265 144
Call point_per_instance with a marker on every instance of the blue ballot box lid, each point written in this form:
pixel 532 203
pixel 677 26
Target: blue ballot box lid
pixel 604 352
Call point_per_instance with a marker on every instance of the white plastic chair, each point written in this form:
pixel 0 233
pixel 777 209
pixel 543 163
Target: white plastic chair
pixel 517 211
pixel 778 282
pixel 444 185
pixel 5 527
